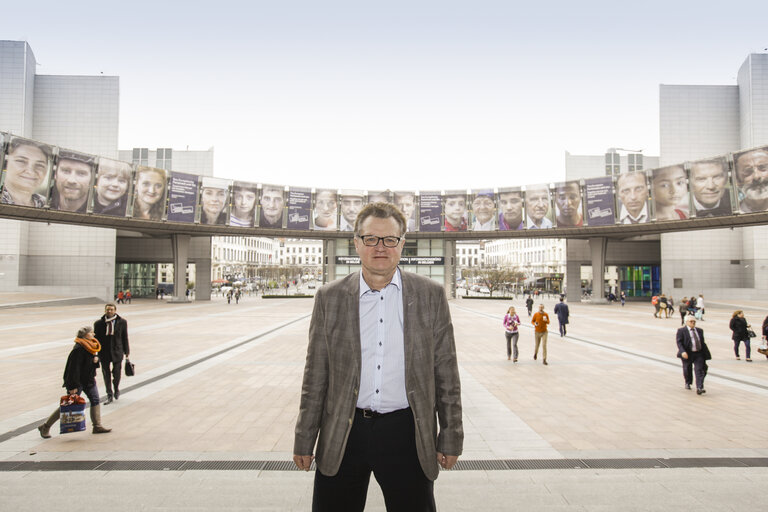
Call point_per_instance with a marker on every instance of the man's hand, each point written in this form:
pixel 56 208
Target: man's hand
pixel 303 461
pixel 684 355
pixel 447 461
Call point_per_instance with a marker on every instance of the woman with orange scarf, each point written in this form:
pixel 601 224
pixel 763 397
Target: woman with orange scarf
pixel 80 376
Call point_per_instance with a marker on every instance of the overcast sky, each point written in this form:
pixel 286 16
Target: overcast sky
pixel 398 94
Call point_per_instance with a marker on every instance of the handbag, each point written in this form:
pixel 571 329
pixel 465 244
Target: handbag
pixel 130 368
pixel 751 333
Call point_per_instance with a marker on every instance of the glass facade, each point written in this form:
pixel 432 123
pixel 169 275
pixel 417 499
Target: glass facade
pixel 421 247
pixel 640 280
pixel 140 278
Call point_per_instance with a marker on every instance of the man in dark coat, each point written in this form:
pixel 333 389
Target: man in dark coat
pixel 112 332
pixel 693 352
pixel 561 310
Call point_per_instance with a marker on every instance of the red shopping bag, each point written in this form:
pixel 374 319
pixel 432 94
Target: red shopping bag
pixel 72 414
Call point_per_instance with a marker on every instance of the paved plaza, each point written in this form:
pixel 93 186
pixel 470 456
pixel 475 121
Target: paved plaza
pixel 207 422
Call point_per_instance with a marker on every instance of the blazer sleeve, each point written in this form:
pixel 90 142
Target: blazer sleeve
pixel 680 338
pixel 450 438
pixel 315 383
pixel 124 337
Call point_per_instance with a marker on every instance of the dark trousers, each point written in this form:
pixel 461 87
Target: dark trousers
pixel 746 344
pixel 562 329
pixel 386 446
pixel 698 364
pixel 111 373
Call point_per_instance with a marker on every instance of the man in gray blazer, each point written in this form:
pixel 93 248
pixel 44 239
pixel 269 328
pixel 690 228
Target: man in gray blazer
pixel 381 388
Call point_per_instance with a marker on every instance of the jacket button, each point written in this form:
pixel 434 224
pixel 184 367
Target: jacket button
pixel 350 421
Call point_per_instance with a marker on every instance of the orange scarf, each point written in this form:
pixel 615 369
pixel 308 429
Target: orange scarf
pixel 92 346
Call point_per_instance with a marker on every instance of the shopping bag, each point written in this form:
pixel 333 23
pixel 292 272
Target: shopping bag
pixel 698 314
pixel 72 414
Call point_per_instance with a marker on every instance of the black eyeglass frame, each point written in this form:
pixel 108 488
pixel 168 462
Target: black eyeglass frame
pixel 380 239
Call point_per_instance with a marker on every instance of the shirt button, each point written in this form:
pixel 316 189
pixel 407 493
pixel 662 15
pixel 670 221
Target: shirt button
pixel 377 391
pixel 379 343
pixel 378 367
pixel 381 320
pixel 382 298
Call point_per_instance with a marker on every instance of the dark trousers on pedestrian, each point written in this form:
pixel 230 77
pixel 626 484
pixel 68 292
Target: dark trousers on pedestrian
pixel 695 365
pixel 746 344
pixel 562 329
pixel 111 373
pixel 386 446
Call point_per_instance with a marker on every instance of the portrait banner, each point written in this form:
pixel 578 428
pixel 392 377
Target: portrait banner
pixel 182 197
pixel 430 211
pixel 510 209
pixel 455 212
pixel 73 175
pixel 598 194
pixel 483 210
pixel 272 206
pixel 750 179
pixel 569 211
pixel 111 191
pixel 149 193
pixel 669 193
pixel 3 138
pixel 243 206
pixel 214 201
pixel 375 196
pixel 299 208
pixel 26 172
pixel 710 187
pixel 632 198
pixel 538 207
pixel 408 203
pixel 350 204
pixel 325 216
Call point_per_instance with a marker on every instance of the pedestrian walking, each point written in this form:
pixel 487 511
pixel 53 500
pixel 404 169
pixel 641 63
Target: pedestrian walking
pixel 700 307
pixel 623 298
pixel 128 296
pixel 663 306
pixel 79 377
pixel 656 305
pixel 112 332
pixel 561 310
pixel 511 323
pixel 740 329
pixel 529 305
pixel 683 309
pixel 694 354
pixel 540 321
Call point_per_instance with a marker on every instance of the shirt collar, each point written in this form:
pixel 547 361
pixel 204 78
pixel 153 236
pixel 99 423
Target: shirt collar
pixel 396 280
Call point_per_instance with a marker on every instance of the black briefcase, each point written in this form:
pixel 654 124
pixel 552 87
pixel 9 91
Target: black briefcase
pixel 130 368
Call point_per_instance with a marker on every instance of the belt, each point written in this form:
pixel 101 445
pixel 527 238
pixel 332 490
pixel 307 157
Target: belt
pixel 368 413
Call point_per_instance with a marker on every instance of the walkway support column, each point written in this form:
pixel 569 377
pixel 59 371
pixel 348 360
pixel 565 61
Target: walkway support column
pixel 449 249
pixel 180 245
pixel 329 261
pixel 597 247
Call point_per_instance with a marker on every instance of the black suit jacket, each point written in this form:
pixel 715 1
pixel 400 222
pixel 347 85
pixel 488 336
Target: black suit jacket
pixel 120 346
pixel 724 208
pixel 685 343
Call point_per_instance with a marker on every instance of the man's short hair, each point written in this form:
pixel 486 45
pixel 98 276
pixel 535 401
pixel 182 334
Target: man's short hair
pixel 381 210
pixel 83 331
pixel 110 304
pixel 65 154
pixel 711 161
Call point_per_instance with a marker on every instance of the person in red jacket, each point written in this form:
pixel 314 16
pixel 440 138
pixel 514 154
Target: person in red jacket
pixel 540 321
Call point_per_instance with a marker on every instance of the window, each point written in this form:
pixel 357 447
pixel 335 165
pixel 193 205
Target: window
pixel 140 156
pixel 612 164
pixel 164 157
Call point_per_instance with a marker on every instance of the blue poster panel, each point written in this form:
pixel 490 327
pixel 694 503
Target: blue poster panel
pixel 751 179
pixel 430 209
pixel 483 210
pixel 182 197
pixel 408 203
pixel 598 194
pixel 243 211
pixel 272 206
pixel 710 187
pixel 632 198
pixel 538 207
pixel 569 210
pixel 112 188
pixel 214 201
pixel 26 172
pixel 510 209
pixel 73 175
pixel 299 208
pixel 350 204
pixel 149 193
pixel 326 211
pixel 455 214
pixel 669 193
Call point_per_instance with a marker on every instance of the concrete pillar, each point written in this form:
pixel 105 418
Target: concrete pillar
pixel 203 279
pixel 449 276
pixel 180 246
pixel 329 261
pixel 573 279
pixel 597 247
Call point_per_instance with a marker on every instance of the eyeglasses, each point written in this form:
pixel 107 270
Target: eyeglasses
pixel 373 240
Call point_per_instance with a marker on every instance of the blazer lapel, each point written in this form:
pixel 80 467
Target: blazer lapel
pixel 353 314
pixel 409 309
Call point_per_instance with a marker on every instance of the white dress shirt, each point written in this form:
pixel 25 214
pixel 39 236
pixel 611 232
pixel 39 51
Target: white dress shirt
pixel 382 372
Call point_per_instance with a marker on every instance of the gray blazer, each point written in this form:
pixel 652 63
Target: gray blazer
pixel 332 373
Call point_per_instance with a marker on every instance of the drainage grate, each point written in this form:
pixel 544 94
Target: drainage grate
pixel 480 465
pixel 224 465
pixel 462 465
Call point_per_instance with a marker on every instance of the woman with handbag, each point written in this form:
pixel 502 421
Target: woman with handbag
pixel 80 376
pixel 511 323
pixel 740 330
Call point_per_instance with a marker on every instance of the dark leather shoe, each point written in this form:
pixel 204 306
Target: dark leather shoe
pixel 687 386
pixel 534 357
pixel 117 394
pixel 108 400
pixel 701 391
pixel 545 361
